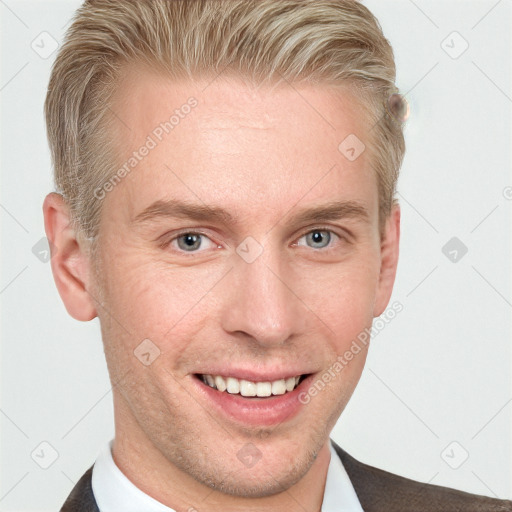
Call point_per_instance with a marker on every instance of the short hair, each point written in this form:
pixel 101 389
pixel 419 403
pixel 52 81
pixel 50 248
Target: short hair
pixel 335 42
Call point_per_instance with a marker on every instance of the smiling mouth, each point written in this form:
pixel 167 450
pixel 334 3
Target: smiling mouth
pixel 250 389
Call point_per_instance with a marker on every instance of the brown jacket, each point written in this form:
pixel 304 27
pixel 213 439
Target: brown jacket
pixel 377 490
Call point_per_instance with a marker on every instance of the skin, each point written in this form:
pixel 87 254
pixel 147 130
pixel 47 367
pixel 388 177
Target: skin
pixel 263 154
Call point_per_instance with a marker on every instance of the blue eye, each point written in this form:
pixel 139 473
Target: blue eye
pixel 190 242
pixel 195 242
pixel 318 238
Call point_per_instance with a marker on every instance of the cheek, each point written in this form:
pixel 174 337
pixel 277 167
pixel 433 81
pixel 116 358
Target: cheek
pixel 343 296
pixel 154 300
pixel 351 320
pixel 354 298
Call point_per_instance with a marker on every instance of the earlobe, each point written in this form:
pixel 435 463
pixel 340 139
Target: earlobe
pixel 69 261
pixel 389 261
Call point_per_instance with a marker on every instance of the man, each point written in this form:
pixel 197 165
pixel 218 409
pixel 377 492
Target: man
pixel 226 172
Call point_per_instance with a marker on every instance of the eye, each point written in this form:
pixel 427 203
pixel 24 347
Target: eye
pixel 196 242
pixel 318 238
pixel 190 242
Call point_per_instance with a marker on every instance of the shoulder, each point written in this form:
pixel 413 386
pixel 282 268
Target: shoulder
pixel 81 498
pixel 379 490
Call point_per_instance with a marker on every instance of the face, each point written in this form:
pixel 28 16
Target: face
pixel 244 245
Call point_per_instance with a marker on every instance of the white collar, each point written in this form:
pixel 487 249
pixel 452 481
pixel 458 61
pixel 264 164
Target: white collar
pixel 114 492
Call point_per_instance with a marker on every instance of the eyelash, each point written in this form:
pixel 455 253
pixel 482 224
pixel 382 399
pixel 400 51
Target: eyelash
pixel 316 229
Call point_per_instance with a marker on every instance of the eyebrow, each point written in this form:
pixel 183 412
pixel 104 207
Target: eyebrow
pixel 334 210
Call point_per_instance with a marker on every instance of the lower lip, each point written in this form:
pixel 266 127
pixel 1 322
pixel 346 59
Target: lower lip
pixel 255 411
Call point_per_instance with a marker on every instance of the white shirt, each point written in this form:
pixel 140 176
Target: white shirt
pixel 115 493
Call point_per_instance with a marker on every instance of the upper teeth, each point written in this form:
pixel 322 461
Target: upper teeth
pixel 249 388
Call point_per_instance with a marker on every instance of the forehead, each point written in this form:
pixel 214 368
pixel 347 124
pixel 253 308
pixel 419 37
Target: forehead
pixel 218 138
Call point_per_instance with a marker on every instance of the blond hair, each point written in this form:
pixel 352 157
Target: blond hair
pixel 337 42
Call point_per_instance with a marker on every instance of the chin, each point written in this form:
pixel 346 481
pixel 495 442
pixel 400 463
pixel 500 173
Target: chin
pixel 260 481
pixel 282 464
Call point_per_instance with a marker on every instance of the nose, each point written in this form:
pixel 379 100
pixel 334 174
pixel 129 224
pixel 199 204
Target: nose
pixel 259 301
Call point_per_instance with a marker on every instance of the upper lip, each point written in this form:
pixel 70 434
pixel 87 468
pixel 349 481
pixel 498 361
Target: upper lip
pixel 254 375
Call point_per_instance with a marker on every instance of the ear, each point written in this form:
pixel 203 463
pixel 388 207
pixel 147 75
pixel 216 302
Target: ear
pixel 69 259
pixel 389 249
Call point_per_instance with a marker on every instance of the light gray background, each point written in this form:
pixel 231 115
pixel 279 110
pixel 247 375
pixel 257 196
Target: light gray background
pixel 439 373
